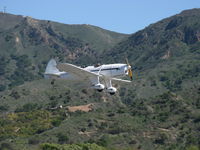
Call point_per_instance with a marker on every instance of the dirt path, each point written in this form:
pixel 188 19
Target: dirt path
pixel 85 108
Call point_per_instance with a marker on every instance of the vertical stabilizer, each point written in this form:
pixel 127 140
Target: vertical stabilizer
pixel 51 67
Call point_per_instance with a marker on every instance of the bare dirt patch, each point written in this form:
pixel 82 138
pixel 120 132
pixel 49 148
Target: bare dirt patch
pixel 84 108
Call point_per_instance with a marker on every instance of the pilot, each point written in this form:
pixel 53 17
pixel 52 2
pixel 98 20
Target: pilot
pixel 97 65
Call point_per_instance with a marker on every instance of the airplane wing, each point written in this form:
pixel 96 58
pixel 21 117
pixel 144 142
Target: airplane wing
pixel 121 80
pixel 80 72
pixel 86 75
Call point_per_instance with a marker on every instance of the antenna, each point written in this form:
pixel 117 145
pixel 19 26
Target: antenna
pixel 4 9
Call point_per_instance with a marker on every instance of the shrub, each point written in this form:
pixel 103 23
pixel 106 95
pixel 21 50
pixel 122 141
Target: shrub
pixel 33 141
pixel 2 87
pixel 6 146
pixel 62 138
pixel 27 107
pixel 87 146
pixel 56 122
pixel 3 108
pixel 48 146
pixel 103 141
pixel 192 147
pixel 15 94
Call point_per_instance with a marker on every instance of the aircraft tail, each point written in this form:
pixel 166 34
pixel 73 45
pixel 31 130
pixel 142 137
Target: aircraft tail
pixel 53 72
pixel 51 69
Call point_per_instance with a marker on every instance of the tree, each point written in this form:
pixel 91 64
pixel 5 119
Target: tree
pixel 62 138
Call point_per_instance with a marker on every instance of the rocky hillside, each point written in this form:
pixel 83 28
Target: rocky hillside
pixel 164 41
pixel 165 54
pixel 27 44
pixel 160 109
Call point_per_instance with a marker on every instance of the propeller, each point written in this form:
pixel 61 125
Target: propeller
pixel 130 74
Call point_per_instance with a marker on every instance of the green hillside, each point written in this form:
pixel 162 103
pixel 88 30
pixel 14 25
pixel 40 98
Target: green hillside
pixel 160 109
pixel 165 55
pixel 28 44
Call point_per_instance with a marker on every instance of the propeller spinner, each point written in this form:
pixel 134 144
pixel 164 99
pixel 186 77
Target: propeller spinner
pixel 130 74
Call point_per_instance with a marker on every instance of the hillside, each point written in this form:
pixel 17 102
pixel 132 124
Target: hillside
pixel 160 109
pixel 28 44
pixel 96 38
pixel 165 54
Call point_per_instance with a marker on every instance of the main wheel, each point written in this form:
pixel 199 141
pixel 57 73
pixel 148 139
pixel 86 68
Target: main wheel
pixel 100 90
pixel 112 93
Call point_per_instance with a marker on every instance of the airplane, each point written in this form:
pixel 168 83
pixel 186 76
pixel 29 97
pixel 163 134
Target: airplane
pixel 100 76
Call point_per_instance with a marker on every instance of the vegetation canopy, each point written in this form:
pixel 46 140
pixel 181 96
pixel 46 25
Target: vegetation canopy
pixel 159 109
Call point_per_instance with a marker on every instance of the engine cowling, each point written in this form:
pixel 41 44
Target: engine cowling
pixel 99 87
pixel 111 90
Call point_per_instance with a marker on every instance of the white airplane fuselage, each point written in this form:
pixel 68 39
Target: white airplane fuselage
pixel 109 70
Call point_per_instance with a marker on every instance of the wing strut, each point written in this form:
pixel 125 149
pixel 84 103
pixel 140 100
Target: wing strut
pixel 99 74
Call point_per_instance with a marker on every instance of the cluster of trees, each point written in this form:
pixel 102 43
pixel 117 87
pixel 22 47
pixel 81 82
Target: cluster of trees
pixel 48 146
pixel 173 79
pixel 23 71
pixel 3 66
pixel 29 122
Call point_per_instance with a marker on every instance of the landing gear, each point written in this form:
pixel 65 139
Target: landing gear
pixel 111 90
pixel 99 87
pixel 99 90
pixel 112 93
